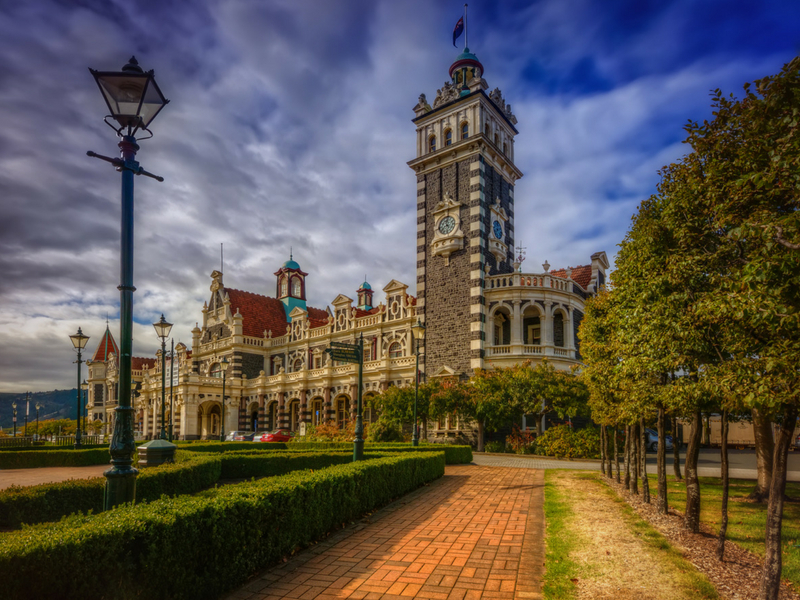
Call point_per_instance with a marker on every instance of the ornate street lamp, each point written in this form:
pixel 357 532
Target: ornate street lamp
pixel 171 384
pixel 418 330
pixel 79 341
pixel 224 366
pixel 134 100
pixel 38 406
pixel 85 388
pixel 162 330
pixel 14 406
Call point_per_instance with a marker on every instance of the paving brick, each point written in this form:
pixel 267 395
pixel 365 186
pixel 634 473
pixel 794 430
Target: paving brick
pixel 475 534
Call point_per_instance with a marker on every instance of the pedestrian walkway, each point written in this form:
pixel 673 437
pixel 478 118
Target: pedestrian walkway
pixel 476 533
pixel 9 477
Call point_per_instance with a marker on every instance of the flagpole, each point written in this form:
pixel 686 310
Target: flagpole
pixel 466 45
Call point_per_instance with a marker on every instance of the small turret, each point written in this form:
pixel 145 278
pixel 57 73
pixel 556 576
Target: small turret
pixel 365 296
pixel 291 286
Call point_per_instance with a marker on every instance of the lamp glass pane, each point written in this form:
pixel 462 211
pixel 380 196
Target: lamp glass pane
pixel 123 92
pixel 224 364
pixel 153 102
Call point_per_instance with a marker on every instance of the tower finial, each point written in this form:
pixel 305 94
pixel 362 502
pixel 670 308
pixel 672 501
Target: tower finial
pixel 291 257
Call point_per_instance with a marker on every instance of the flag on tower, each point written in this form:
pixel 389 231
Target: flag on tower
pixel 458 30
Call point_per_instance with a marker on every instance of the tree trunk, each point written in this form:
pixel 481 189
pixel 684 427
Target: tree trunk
pixel 676 449
pixel 771 576
pixel 609 470
pixel 765 448
pixel 635 459
pixel 616 452
pixel 424 428
pixel 628 457
pixel 603 449
pixel 706 429
pixel 723 528
pixel 692 514
pixel 661 503
pixel 481 432
pixel 643 452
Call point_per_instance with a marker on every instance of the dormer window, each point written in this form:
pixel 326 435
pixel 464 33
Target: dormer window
pixel 464 130
pixel 432 144
pixel 296 287
pixel 448 137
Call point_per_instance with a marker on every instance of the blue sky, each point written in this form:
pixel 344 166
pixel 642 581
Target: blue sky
pixel 290 126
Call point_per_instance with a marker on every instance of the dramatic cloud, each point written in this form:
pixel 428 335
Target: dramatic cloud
pixel 289 127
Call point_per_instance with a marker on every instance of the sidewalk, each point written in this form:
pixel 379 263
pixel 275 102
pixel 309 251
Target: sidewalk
pixel 9 477
pixel 476 533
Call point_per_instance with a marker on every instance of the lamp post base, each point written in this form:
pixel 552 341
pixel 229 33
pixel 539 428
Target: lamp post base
pixel 120 487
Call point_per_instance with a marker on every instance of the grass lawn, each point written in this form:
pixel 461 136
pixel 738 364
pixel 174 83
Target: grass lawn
pixel 746 520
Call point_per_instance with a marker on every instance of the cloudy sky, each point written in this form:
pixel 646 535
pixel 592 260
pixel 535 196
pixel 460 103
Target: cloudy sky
pixel 290 126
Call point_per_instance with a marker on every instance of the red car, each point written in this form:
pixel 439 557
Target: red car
pixel 279 435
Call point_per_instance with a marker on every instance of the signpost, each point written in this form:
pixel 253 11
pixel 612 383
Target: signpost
pixel 353 353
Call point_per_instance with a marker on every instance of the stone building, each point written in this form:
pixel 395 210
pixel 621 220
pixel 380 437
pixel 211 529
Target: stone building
pixel 479 308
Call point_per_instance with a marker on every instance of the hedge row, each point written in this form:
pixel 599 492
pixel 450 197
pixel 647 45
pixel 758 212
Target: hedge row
pixel 200 547
pixel 39 446
pixel 54 458
pixel 190 474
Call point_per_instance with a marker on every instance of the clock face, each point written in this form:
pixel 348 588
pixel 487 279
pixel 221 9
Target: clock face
pixel 447 225
pixel 498 229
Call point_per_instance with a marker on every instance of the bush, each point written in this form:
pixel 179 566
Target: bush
pixel 521 442
pixel 385 431
pixel 564 442
pixel 268 464
pixel 54 458
pixel 494 447
pixel 171 548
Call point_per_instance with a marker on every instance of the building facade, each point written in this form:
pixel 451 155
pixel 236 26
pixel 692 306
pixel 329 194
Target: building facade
pixel 480 310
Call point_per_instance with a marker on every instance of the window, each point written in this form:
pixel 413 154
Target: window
pixel 395 350
pixel 534 333
pixel 297 365
pixel 316 413
pixel 341 412
pixel 284 287
pixel 448 137
pixel 215 371
pixel 464 130
pixel 558 330
pixel 318 361
pixel 296 287
pixel 486 130
pixel 497 139
pixel 505 149
pixel 432 144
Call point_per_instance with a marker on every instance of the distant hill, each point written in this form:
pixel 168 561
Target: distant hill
pixel 58 404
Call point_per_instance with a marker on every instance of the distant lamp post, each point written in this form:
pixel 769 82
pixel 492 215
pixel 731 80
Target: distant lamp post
pixel 171 384
pixel 418 330
pixel 85 388
pixel 14 406
pixel 27 411
pixel 134 100
pixel 79 341
pixel 38 406
pixel 224 366
pixel 162 330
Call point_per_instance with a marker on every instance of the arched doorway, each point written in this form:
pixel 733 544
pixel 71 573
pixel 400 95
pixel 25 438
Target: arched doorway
pixel 317 416
pixel 294 414
pixel 252 417
pixel 272 416
pixel 342 408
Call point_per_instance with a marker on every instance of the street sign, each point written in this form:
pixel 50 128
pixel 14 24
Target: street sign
pixel 350 353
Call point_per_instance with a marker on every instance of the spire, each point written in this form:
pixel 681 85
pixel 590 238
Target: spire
pixel 106 346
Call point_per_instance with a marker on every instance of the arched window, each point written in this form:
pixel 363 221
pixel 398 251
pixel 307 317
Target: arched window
pixel 395 350
pixel 284 287
pixel 297 365
pixel 296 287
pixel 558 330
pixel 432 144
pixel 448 137
pixel 215 371
pixel 464 130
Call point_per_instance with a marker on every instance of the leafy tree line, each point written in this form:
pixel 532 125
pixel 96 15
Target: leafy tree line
pixel 704 312
pixel 489 400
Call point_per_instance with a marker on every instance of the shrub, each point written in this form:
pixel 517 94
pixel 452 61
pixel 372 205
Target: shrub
pixel 385 431
pixel 495 447
pixel 521 442
pixel 171 548
pixel 564 442
pixel 54 458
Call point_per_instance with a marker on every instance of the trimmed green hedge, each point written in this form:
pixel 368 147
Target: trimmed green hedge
pixel 200 547
pixel 27 459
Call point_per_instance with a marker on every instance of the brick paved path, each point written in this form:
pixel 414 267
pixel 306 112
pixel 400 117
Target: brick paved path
pixel 9 477
pixel 476 533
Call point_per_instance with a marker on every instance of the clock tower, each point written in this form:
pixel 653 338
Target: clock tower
pixel 465 212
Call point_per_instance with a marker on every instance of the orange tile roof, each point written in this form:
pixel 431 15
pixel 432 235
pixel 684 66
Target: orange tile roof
pixel 581 275
pixel 317 314
pixel 261 313
pixel 138 363
pixel 363 313
pixel 314 323
pixel 106 346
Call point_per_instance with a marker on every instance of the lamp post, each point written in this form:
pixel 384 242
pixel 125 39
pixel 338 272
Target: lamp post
pixel 133 99
pixel 27 411
pixel 418 330
pixel 14 406
pixel 224 366
pixel 38 406
pixel 85 388
pixel 79 341
pixel 162 330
